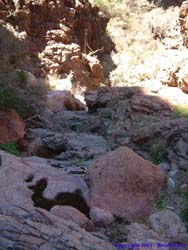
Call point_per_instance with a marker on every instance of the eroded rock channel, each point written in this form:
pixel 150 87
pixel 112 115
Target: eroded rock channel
pixel 100 164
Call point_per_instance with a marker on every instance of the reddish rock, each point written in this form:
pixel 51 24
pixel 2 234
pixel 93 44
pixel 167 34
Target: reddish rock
pixel 125 184
pixel 184 85
pixel 72 214
pixel 11 126
pixel 59 35
pixel 58 100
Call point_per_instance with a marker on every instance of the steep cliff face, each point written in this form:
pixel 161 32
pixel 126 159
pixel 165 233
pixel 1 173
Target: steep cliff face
pixel 59 34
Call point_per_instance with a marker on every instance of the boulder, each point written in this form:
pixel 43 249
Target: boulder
pixel 59 99
pixel 11 126
pixel 101 217
pixel 124 183
pixel 72 214
pixel 167 223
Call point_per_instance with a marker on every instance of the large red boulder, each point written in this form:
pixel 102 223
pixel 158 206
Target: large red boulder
pixel 125 184
pixel 11 126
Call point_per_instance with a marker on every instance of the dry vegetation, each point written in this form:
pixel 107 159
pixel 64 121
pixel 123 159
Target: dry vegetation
pixel 16 91
pixel 137 29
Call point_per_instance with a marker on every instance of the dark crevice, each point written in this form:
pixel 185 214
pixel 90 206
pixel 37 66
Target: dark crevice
pixel 63 199
pixel 29 178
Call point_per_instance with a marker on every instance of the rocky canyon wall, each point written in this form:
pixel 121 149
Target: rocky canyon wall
pixel 60 36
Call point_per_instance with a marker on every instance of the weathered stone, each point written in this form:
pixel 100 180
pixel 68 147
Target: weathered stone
pixel 180 238
pixel 164 166
pixel 101 217
pixel 84 146
pixel 169 130
pixel 184 85
pixel 179 76
pixel 56 142
pixel 95 67
pixel 124 184
pixel 37 229
pixel 72 214
pixel 36 147
pixel 106 97
pixel 181 147
pixel 167 223
pixel 141 234
pixel 11 126
pixel 22 177
pixel 57 100
pixel 40 132
pixel 78 121
pixel 171 184
pixel 147 104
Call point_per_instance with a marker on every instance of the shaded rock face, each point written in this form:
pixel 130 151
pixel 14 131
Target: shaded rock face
pixel 11 126
pixel 57 33
pixel 124 183
pixel 23 228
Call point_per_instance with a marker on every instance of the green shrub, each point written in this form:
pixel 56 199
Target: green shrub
pixel 21 77
pixel 161 202
pixel 180 111
pixel 9 100
pixel 16 93
pixel 184 214
pixel 10 147
pixel 157 152
pixel 183 203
